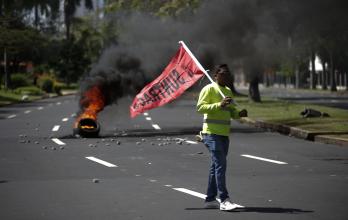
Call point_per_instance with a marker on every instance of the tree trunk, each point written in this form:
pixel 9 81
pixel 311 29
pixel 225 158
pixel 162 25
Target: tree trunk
pixel 67 18
pixel 254 93
pixel 346 81
pixel 6 73
pixel 324 82
pixel 297 77
pixel 312 73
pixel 36 21
pixel 332 74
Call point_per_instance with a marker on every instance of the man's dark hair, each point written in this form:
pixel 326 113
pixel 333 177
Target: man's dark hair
pixel 220 68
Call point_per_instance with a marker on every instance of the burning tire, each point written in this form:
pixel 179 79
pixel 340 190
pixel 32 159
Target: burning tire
pixel 87 127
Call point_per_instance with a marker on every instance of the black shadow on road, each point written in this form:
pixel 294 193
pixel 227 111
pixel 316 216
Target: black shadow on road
pixel 175 131
pixel 263 210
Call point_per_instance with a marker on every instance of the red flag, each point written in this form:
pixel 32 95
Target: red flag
pixel 180 74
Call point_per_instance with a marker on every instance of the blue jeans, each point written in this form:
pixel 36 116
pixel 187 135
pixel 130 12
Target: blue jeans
pixel 218 148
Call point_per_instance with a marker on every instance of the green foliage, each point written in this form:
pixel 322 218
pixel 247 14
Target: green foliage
pixel 156 7
pixel 46 82
pixel 47 85
pixel 19 80
pixel 29 90
pixel 58 88
pixel 287 69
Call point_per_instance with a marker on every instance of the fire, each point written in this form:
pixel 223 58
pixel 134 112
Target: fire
pixel 87 127
pixel 92 102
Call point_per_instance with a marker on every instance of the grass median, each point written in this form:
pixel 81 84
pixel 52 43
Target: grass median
pixel 288 113
pixel 9 97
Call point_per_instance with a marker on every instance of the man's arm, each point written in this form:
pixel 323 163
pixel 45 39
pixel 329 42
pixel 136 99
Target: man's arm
pixel 203 104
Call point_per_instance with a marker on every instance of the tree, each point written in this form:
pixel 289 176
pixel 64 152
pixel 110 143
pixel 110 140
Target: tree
pixel 69 11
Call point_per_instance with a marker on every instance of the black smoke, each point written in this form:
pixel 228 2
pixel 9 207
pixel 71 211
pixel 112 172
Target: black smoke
pixel 255 32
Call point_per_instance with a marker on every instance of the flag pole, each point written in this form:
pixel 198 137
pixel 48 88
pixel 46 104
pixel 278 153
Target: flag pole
pixel 200 66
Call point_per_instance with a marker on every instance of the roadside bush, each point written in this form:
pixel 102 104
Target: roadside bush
pixel 47 85
pixel 19 80
pixel 30 90
pixel 57 89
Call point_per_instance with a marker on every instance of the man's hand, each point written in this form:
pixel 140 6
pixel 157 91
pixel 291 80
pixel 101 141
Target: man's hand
pixel 226 101
pixel 243 113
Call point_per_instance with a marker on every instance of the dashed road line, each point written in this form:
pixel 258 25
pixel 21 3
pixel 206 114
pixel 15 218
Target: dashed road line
pixel 263 159
pixel 57 141
pixel 148 118
pixel 146 114
pixel 27 112
pixel 56 128
pixel 190 192
pixel 11 116
pixel 197 194
pixel 155 126
pixel 58 103
pixel 188 141
pixel 101 162
pixel 40 108
pixel 65 119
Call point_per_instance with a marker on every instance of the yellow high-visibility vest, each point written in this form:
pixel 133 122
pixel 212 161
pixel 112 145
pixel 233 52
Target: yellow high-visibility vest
pixel 217 120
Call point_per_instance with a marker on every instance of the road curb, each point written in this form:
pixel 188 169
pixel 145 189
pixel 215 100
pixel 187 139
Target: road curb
pixel 322 137
pixel 331 140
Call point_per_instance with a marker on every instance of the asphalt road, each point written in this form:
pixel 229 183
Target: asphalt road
pixel 150 167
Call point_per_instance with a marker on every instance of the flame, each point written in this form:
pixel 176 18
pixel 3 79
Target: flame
pixel 92 102
pixel 87 127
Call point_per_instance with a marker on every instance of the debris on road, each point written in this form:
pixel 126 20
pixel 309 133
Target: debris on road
pixel 312 113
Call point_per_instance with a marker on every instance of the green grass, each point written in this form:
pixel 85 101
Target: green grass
pixel 288 113
pixel 10 96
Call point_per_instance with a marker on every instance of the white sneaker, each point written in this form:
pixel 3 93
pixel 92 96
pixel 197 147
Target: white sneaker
pixel 227 205
pixel 211 205
pixel 199 137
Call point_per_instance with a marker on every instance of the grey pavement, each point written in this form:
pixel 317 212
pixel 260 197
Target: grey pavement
pixel 157 170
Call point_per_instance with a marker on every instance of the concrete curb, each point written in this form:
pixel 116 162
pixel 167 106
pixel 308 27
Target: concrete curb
pixel 331 140
pixel 323 136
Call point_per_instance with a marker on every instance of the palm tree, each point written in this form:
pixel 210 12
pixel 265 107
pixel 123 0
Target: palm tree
pixel 70 7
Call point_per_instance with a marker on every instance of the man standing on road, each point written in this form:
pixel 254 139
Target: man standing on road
pixel 216 129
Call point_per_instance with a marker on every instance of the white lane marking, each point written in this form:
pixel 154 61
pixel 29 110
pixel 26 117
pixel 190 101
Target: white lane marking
pixel 101 162
pixel 27 112
pixel 155 126
pixel 190 192
pixel 73 115
pixel 168 185
pixel 11 116
pixel 58 103
pixel 192 142
pixel 187 141
pixel 57 141
pixel 65 119
pixel 40 108
pixel 199 195
pixel 263 159
pixel 148 118
pixel 56 128
pixel 146 114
